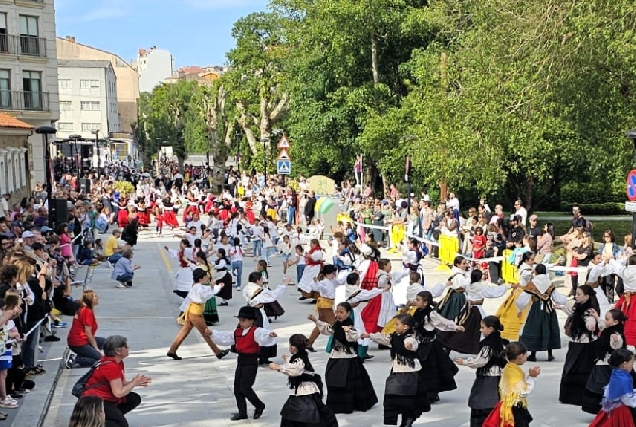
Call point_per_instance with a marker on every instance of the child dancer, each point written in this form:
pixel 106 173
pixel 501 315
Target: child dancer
pixel 612 338
pixel 379 311
pixel 454 300
pixel 349 387
pixel 619 399
pixel 313 265
pixel 200 292
pixel 304 406
pixel 246 340
pixel 514 387
pixel 414 288
pixel 326 287
pixel 541 329
pixel 438 369
pixel 405 392
pixel 489 363
pixel 257 295
pixel 272 309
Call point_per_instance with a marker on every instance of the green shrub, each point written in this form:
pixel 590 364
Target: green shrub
pixel 124 187
pixel 607 208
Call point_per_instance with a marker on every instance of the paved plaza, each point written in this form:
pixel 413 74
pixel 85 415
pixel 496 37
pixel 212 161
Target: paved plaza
pixel 197 391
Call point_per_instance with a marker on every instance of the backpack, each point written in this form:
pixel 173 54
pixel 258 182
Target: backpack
pixel 80 386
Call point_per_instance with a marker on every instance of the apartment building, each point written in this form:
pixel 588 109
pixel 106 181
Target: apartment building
pixel 154 66
pixel 28 71
pixel 127 77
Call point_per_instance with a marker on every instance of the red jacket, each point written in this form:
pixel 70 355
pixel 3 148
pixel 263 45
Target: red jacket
pixel 628 307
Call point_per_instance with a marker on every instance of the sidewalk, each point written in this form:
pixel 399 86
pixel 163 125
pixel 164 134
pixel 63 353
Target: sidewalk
pixel 197 391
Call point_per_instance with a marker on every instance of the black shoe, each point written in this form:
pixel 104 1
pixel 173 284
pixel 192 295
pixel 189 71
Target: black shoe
pixel 550 358
pixel 383 347
pixel 264 362
pixel 313 301
pixel 174 356
pixel 222 354
pixel 311 349
pixel 407 422
pixel 258 412
pixel 224 303
pixel 238 417
pixel 51 338
pixel 302 298
pixel 367 357
pixel 532 358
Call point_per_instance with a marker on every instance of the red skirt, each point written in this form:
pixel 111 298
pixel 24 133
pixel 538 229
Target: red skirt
pixel 370 280
pixel 122 218
pixel 370 314
pixel 170 218
pixel 144 217
pixel 619 417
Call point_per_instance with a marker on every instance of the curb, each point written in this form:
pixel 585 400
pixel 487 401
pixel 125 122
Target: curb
pixel 51 393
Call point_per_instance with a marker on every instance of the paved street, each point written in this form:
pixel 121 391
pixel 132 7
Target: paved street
pixel 197 391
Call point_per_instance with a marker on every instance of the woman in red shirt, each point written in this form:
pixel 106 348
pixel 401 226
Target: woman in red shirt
pixel 109 382
pixel 85 346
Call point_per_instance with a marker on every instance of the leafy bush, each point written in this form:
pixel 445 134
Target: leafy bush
pixel 608 208
pixel 124 187
pixel 593 193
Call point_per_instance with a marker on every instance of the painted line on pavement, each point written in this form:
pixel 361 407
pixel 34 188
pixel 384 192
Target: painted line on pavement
pixel 166 261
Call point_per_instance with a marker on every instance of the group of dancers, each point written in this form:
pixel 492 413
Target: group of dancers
pixel 356 304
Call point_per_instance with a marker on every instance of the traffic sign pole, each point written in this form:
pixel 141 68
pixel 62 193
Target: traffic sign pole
pixel 283 162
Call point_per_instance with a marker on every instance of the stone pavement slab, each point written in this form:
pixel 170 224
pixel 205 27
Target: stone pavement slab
pixel 197 391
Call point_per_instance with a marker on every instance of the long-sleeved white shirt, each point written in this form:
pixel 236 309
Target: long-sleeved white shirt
pixel 261 337
pixel 385 339
pixel 351 335
pixel 296 369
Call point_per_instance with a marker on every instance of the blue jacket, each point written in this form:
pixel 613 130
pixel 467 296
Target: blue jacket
pixel 123 266
pixel 615 249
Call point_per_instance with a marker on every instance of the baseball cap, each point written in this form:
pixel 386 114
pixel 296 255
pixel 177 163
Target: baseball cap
pixel 27 234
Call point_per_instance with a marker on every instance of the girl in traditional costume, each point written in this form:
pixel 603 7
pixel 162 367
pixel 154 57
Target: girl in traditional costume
pixel 325 286
pixel 541 329
pixel 183 277
pixel 313 265
pixel 471 315
pixel 489 363
pixel 612 338
pixel 405 391
pixel 619 399
pixel 514 388
pixel 349 387
pixel 304 406
pixel 379 311
pixel 454 300
pixel 582 328
pixel 222 275
pixel 508 312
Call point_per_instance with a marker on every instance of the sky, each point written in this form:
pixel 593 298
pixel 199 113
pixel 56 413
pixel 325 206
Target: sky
pixel 196 32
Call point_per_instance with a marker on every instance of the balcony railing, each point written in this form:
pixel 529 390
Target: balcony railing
pixel 22 45
pixel 24 101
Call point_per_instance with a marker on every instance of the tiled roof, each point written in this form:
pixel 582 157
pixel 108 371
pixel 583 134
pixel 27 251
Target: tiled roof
pixel 7 121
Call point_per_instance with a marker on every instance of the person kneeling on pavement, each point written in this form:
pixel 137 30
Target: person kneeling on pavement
pixel 85 346
pixel 124 270
pixel 108 382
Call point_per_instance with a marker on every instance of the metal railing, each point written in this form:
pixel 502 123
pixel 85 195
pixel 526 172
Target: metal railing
pixel 24 101
pixel 22 45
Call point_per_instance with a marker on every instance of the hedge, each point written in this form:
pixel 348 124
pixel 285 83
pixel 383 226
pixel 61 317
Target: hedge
pixel 608 208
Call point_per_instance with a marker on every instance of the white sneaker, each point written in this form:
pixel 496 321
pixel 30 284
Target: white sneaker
pixel 120 285
pixel 70 360
pixel 8 403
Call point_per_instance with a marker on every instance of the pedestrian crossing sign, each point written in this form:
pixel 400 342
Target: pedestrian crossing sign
pixel 283 167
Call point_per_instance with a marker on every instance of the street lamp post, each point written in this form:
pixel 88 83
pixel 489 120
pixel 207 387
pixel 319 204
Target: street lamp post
pixel 632 136
pixel 76 153
pixel 45 131
pixel 96 133
pixel 407 172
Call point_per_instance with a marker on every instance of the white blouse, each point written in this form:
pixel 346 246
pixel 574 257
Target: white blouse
pixel 261 337
pixel 296 369
pixel 385 339
pixel 351 335
pixel 200 293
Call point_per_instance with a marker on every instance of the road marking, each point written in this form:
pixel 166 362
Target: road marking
pixel 166 261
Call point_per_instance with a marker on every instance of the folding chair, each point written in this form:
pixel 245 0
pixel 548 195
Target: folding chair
pixel 87 279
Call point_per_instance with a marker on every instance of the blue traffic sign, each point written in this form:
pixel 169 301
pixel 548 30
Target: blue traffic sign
pixel 283 167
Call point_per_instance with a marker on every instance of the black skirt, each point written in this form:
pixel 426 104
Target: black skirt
pixel 485 393
pixel 437 367
pixel 266 352
pixel 541 331
pixel 307 411
pixel 466 342
pixel 578 366
pixel 478 416
pixel 405 395
pixel 521 416
pixel 273 310
pixel 349 387
pixel 226 292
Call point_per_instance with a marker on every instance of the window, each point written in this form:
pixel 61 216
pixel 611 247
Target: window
pixel 89 105
pixel 89 127
pixel 29 40
pixel 4 38
pixel 65 83
pixel 89 84
pixel 66 106
pixel 5 88
pixel 32 86
pixel 65 127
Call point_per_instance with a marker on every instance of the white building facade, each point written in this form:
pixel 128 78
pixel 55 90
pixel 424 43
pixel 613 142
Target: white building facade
pixel 154 66
pixel 88 101
pixel 28 71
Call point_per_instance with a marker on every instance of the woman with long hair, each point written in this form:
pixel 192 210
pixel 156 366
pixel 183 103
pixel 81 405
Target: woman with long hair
pixel 85 346
pixel 88 412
